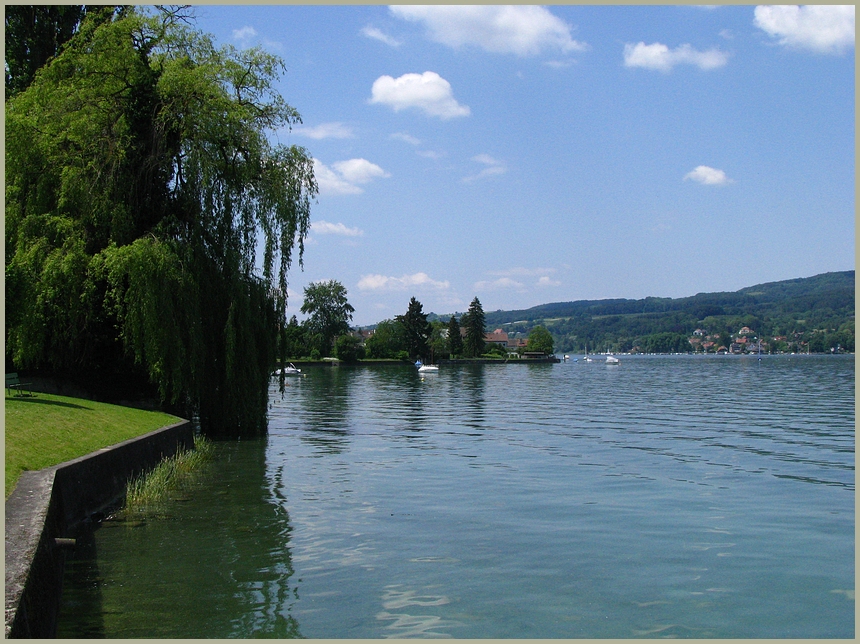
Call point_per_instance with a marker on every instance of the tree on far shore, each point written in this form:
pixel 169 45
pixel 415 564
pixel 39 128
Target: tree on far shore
pixel 473 320
pixel 330 312
pixel 540 340
pixel 455 340
pixel 417 330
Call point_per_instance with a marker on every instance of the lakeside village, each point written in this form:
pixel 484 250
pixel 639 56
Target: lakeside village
pixel 745 341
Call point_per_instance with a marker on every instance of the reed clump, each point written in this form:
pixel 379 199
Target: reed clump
pixel 155 487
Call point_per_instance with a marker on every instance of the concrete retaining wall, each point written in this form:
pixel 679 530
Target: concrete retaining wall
pixel 48 503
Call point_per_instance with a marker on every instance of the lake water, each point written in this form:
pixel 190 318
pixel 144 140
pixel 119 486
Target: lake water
pixel 670 496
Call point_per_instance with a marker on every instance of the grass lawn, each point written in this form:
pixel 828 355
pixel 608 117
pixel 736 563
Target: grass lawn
pixel 46 430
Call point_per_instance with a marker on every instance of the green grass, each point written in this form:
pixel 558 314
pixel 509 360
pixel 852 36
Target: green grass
pixel 46 430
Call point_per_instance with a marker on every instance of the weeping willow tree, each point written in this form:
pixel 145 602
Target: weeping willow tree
pixel 140 183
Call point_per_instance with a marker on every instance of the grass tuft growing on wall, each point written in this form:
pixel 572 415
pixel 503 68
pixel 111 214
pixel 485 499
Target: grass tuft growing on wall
pixel 152 489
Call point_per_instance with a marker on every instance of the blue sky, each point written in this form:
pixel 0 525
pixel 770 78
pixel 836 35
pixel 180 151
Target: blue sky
pixel 527 154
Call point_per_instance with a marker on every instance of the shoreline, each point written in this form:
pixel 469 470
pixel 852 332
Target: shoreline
pixel 47 504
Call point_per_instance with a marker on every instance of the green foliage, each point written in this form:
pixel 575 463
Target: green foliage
pixel 540 340
pixel 455 340
pixel 293 341
pixel 416 330
pixel 388 339
pixel 473 321
pixel 347 349
pixel 437 343
pixel 330 312
pixel 34 34
pixel 156 302
pixel 138 174
pixel 666 342
pixel 494 351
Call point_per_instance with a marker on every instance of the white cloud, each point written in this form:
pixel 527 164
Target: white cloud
pixel 360 171
pixel 327 228
pixel 708 176
pixel 334 130
pixel 407 138
pixel 245 33
pixel 247 36
pixel 826 29
pixel 330 183
pixel 383 283
pixel 430 154
pixel 428 92
pixel 494 167
pixel 658 56
pixel 522 30
pixel 485 159
pixel 501 283
pixel 342 179
pixel 376 34
pixel 547 281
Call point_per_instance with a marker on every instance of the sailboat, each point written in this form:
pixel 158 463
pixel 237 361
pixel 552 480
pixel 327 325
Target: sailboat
pixel 587 359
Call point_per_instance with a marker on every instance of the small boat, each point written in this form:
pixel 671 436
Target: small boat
pixel 612 360
pixel 587 359
pixel 424 368
pixel 291 370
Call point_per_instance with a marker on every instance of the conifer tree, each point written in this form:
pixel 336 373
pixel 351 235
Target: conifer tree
pixel 473 320
pixel 417 330
pixel 455 340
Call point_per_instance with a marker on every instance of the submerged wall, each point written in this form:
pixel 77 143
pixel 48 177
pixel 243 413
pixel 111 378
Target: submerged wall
pixel 48 503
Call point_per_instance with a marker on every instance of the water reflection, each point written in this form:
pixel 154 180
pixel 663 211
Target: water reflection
pixel 82 615
pixel 468 388
pixel 215 563
pixel 325 400
pixel 406 624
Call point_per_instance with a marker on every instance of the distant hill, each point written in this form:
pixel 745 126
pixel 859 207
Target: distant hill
pixel 828 290
pixel 795 309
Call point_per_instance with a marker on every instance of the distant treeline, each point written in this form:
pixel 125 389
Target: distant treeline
pixel 815 313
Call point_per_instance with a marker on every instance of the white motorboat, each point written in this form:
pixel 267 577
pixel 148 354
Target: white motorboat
pixel 291 370
pixel 424 368
pixel 612 360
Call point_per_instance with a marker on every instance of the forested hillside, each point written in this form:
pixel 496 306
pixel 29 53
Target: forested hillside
pixel 815 313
